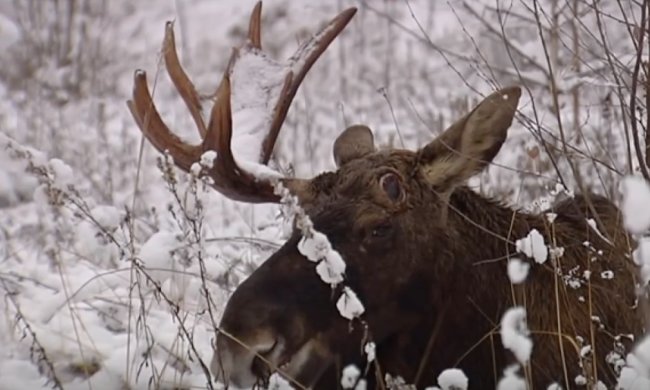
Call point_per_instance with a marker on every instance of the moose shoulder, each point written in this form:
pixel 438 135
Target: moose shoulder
pixel 426 255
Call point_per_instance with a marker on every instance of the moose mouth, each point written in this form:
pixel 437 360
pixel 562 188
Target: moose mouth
pixel 303 365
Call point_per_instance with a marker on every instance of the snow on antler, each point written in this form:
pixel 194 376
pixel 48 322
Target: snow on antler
pixel 256 85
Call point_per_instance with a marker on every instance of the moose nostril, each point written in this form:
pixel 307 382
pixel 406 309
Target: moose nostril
pixel 266 351
pixel 265 344
pixel 243 361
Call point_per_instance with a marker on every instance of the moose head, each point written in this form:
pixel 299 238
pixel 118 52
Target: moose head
pixel 424 254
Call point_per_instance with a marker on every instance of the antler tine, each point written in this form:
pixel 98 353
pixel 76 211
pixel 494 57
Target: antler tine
pixel 230 177
pixel 220 127
pixel 154 129
pixel 255 26
pixel 316 46
pixel 181 81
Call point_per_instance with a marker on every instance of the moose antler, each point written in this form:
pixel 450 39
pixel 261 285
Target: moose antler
pixel 251 96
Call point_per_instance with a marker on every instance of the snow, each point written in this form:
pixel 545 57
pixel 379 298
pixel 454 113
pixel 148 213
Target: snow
pixel 259 171
pixel 592 224
pixel 517 270
pixel 600 386
pixel 256 83
pixel 157 253
pixel 515 334
pixel 315 247
pixel 511 380
pixel 349 305
pixel 607 274
pixel 636 197
pixel 533 246
pixel 636 373
pixel 550 217
pixel 641 256
pixel 207 159
pixel 556 252
pixel 277 382
pixel 61 174
pixel 349 376
pixel 93 242
pixel 371 351
pixel 453 379
pixel 331 272
pixel 195 169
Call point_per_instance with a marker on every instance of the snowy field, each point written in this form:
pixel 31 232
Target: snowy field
pixel 107 256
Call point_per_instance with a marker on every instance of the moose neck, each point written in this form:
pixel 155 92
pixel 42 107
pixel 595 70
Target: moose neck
pixel 486 225
pixel 478 242
pixel 486 231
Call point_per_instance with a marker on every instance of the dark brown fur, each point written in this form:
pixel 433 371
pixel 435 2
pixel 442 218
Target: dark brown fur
pixel 434 283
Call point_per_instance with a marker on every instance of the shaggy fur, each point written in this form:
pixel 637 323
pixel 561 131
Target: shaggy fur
pixel 425 275
pixel 428 258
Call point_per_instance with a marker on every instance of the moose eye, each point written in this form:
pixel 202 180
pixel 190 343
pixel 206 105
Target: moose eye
pixel 381 230
pixel 391 185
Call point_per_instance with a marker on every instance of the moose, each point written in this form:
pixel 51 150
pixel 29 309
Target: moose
pixel 426 255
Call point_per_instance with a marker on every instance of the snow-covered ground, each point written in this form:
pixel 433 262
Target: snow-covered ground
pixel 105 265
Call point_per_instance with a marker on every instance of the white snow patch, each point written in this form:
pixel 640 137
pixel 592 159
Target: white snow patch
pixel 371 351
pixel 511 380
pixel 533 246
pixel 515 334
pixel 636 373
pixel 600 386
pixel 607 274
pixel 61 173
pixel 349 376
pixel 157 255
pixel 592 224
pixel 550 217
pixel 94 237
pixel 329 272
pixel 195 169
pixel 453 379
pixel 256 83
pixel 316 247
pixel 517 270
pixel 636 198
pixel 207 159
pixel 259 171
pixel 556 252
pixel 349 304
pixel 277 382
pixel 641 256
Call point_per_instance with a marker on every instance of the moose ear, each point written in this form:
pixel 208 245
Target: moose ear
pixel 469 145
pixel 356 141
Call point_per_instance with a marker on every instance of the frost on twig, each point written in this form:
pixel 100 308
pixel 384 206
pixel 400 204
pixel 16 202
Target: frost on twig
pixel 453 379
pixel 511 380
pixel 533 246
pixel 517 270
pixel 315 246
pixel 515 334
